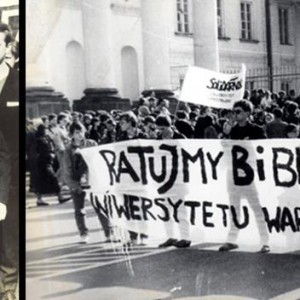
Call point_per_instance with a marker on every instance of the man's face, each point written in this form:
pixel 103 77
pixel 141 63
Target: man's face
pixel 150 127
pixel 164 131
pixel 4 49
pixel 293 134
pixel 152 102
pixel 240 114
pixel 53 121
pixel 64 122
pixel 78 135
pixel 124 125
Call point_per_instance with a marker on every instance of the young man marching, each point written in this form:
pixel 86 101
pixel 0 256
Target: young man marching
pixel 76 177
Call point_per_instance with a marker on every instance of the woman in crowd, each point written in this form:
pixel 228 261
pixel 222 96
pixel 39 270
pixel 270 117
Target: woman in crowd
pixel 46 165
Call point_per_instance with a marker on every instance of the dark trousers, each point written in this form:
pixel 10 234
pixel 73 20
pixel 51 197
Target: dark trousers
pixel 79 211
pixel 79 207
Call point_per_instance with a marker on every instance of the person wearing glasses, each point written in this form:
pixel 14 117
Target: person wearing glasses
pixel 243 129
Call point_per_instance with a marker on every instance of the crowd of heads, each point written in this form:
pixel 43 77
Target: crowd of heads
pixel 152 119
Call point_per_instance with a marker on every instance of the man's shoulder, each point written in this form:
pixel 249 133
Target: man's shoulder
pixel 9 97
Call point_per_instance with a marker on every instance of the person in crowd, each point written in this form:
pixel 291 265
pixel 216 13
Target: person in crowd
pixel 291 95
pixel 31 155
pixel 209 129
pixel 150 127
pixel 183 125
pixel 47 180
pixel 259 118
pixel 225 123
pixel 281 98
pixel 52 125
pixel 254 98
pixel 76 176
pixel 110 132
pixel 45 120
pixel 185 107
pixel 292 113
pixel 104 116
pixel 193 118
pixel 87 120
pixel 162 107
pixel 143 110
pixel 277 127
pixel 165 130
pixel 274 99
pixel 245 130
pixel 129 131
pixel 292 131
pixel 266 100
pixel 94 130
pixel 61 139
pixel 246 95
pixel 152 101
pixel 129 127
pixel 200 125
pixel 9 126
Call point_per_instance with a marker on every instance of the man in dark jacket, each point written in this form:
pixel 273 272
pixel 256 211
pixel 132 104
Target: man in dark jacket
pixel 76 177
pixel 9 126
pixel 245 130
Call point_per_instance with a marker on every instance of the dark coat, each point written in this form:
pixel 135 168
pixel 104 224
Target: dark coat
pixel 9 126
pixel 47 181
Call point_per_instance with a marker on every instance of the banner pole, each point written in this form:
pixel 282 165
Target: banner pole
pixel 177 107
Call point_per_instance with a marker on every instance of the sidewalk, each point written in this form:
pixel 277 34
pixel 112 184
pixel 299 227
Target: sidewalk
pixel 59 268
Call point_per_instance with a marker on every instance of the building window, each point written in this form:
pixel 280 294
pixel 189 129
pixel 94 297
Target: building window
pixel 221 31
pixel 250 84
pixel 283 26
pixel 246 21
pixel 285 86
pixel 183 16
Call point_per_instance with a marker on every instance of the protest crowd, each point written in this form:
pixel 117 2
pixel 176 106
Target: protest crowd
pixel 56 167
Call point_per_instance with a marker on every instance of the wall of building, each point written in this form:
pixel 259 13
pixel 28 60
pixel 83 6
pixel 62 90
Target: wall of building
pixel 181 48
pixel 73 45
pixel 127 39
pixel 284 55
pixel 233 51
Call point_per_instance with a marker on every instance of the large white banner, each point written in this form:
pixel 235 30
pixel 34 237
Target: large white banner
pixel 205 188
pixel 206 87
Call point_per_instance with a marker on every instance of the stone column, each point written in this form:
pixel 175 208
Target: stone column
pixel 156 21
pixel 40 22
pixel 206 34
pixel 98 44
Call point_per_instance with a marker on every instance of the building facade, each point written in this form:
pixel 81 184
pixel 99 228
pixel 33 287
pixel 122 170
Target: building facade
pixel 133 45
pixel 9 14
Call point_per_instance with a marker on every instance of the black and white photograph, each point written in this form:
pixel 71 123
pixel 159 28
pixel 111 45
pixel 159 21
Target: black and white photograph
pixel 162 149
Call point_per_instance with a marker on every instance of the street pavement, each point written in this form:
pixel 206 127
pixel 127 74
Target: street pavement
pixel 58 267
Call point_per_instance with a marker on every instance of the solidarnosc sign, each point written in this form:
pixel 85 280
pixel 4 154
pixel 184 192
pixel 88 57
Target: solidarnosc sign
pixel 203 186
pixel 206 87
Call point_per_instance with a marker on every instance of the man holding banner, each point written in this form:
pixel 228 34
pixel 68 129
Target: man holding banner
pixel 195 188
pixel 244 130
